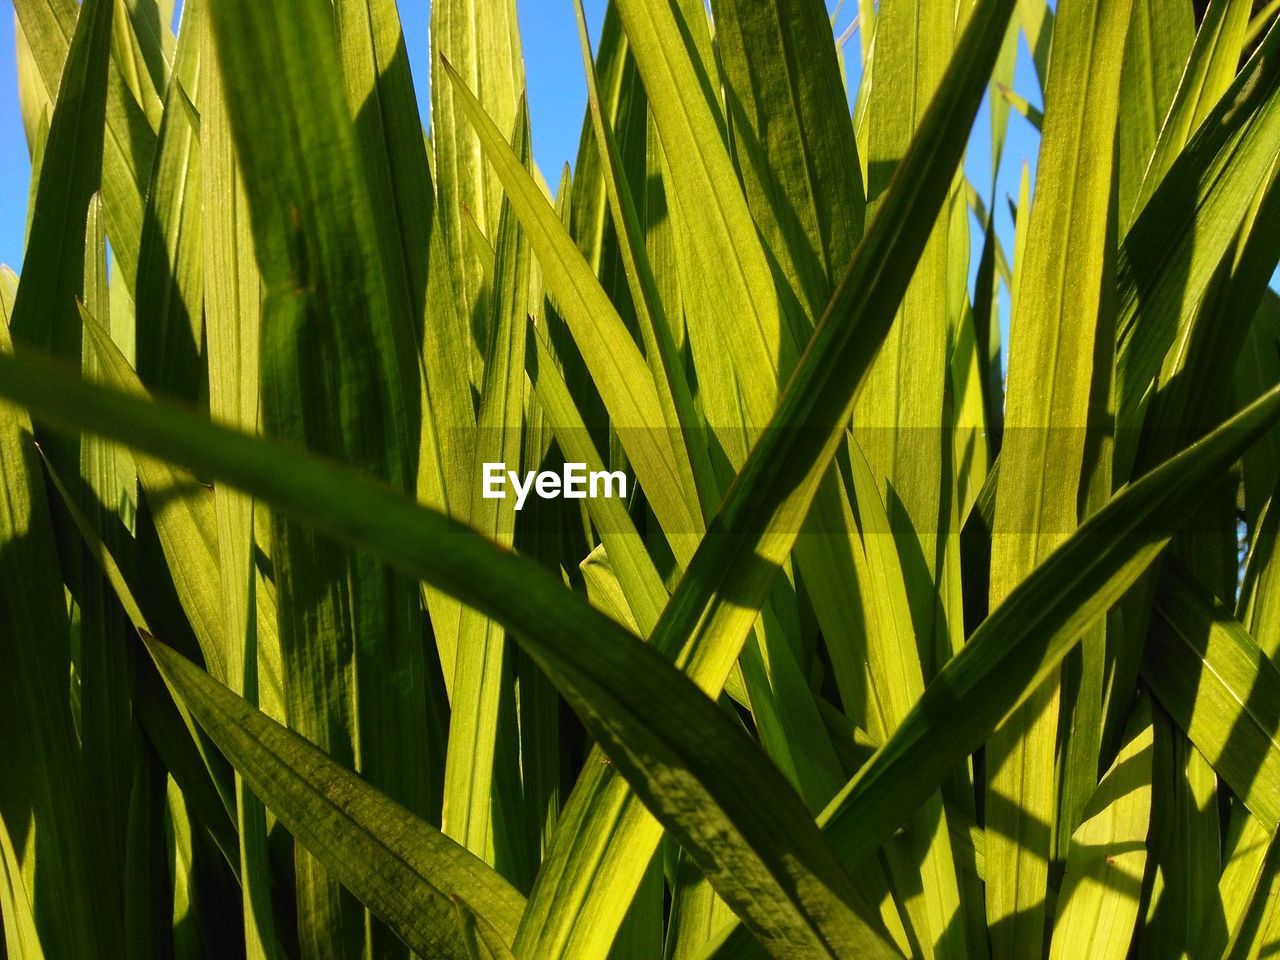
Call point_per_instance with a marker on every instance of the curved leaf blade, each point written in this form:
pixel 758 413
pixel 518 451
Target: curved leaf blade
pixel 717 793
pixel 406 871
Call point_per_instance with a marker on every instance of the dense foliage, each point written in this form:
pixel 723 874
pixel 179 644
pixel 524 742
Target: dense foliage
pixel 910 640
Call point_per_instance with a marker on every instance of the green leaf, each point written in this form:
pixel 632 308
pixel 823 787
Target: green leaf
pixel 1257 367
pixel 44 311
pixel 619 371
pixel 1002 82
pixel 170 283
pixel 1025 639
pixel 1060 333
pixel 797 156
pixel 1251 858
pixel 473 811
pixel 1210 676
pixel 41 790
pixel 232 294
pixel 1184 844
pixel 897 679
pixel 129 141
pixel 340 375
pixel 42 800
pixel 899 411
pixel 1189 394
pixel 109 738
pixel 1161 33
pixel 1037 19
pixel 1208 73
pixel 734 279
pixel 145 86
pixel 1033 115
pixel 21 938
pixel 482 941
pixel 1102 882
pixel 656 334
pixel 734 403
pixel 1251 866
pixel 641 587
pixel 1260 590
pixel 406 871
pixel 483 39
pixel 34 99
pixel 144 53
pixel 809 208
pixel 716 793
pixel 198 772
pixel 1001 663
pixel 725 586
pixel 1182 233
pixel 183 513
pixel 415 255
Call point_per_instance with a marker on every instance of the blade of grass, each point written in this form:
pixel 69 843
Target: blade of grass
pixel 1257 366
pixel 723 589
pixel 1184 230
pixel 1216 683
pixel 415 256
pixel 590 223
pixel 340 375
pixel 405 870
pixel 34 99
pixel 1062 322
pixel 1208 73
pixel 108 735
pixel 798 158
pixel 726 803
pixel 232 296
pixel 619 371
pixel 1056 602
pixel 897 679
pixel 44 311
pixel 147 88
pixel 198 771
pixel 170 284
pixel 479 937
pixel 1038 19
pixel 152 43
pixel 1161 34
pixel 642 590
pixel 899 420
pixel 42 801
pixel 1102 882
pixel 666 364
pixel 1025 639
pixel 1251 873
pixel 810 208
pixel 184 517
pixel 44 773
pixel 483 39
pixel 727 256
pixel 473 813
pixel 898 417
pixel 21 938
pixel 183 513
pixel 129 141
pixel 789 723
pixel 1188 394
pixel 1184 843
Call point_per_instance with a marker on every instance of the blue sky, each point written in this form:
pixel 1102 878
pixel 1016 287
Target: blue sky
pixel 556 93
pixel 557 98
